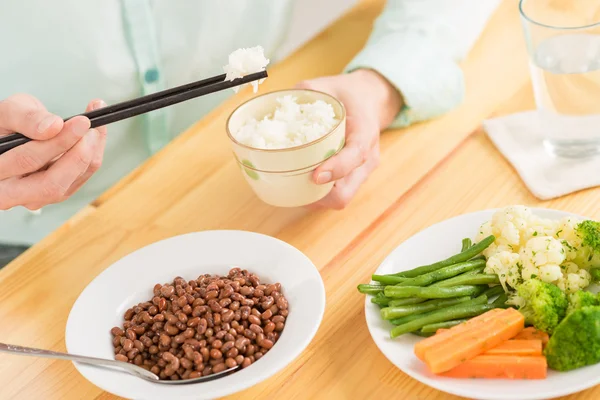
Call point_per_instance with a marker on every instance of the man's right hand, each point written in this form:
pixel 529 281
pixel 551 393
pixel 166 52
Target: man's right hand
pixel 60 159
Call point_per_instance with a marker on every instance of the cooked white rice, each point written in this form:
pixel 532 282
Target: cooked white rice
pixel 291 124
pixel 243 62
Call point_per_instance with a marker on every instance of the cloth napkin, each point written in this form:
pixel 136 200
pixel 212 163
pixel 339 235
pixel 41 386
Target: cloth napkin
pixel 519 139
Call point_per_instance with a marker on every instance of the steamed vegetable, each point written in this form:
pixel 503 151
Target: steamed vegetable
pixel 401 311
pixel 500 367
pixel 543 304
pixel 469 279
pixel 458 258
pixel 517 347
pixel 575 342
pixel 424 346
pixel 467 309
pixel 581 299
pixel 442 273
pixel 530 333
pixel 442 325
pixel 429 292
pixel 475 341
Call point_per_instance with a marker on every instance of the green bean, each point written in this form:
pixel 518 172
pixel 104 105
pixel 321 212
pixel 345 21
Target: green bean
pixel 429 292
pixel 474 271
pixel 403 320
pixel 380 300
pixel 463 310
pixel 466 243
pixel 480 257
pixel 423 334
pixel 401 311
pixel 405 301
pixel 479 279
pixel 442 273
pixel 388 279
pixel 500 302
pixel 370 289
pixel 494 291
pixel 455 259
pixel 442 325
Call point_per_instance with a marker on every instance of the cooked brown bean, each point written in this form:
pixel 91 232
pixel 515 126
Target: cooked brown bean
pixel 269 327
pixel 195 374
pixel 132 353
pixel 258 355
pixel 279 326
pixel 216 354
pixel 267 315
pixel 171 329
pixel 233 352
pixel 253 319
pixel 162 305
pixel 219 368
pixel 256 329
pixel 182 317
pixel 138 330
pixel 246 363
pixel 116 331
pixel 187 364
pixel 121 357
pixel 250 349
pixel 284 313
pixel 138 345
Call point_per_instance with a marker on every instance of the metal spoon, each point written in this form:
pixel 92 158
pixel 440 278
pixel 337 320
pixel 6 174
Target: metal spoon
pixel 126 367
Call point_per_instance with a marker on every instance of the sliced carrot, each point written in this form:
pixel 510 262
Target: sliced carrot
pixel 530 333
pixel 434 341
pixel 500 367
pixel 518 347
pixel 441 330
pixel 475 341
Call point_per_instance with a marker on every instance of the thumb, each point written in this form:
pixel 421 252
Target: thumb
pixel 25 114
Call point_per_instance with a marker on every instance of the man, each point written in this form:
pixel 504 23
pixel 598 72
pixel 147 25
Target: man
pixel 63 53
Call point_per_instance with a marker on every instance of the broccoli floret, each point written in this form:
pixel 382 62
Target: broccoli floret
pixel 595 273
pixel 581 299
pixel 576 341
pixel 590 234
pixel 542 304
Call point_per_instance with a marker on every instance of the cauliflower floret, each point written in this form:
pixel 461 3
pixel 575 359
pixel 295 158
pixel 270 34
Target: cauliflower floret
pixel 541 250
pixel 508 226
pixel 541 257
pixel 505 264
pixel 573 282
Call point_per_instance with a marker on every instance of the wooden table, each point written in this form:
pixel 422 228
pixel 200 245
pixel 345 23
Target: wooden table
pixel 428 172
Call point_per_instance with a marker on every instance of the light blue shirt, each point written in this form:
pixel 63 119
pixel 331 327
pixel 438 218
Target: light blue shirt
pixel 68 52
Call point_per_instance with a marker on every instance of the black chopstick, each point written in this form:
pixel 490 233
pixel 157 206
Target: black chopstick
pixel 144 104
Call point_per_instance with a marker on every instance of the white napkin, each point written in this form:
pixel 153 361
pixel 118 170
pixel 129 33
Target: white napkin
pixel 518 138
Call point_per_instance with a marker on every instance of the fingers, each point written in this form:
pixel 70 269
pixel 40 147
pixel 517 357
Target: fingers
pixel 361 136
pixel 98 154
pixel 25 114
pixel 52 185
pixel 35 155
pixel 345 189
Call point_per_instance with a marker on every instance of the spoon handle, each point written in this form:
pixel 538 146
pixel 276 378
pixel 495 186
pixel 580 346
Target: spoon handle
pixel 29 351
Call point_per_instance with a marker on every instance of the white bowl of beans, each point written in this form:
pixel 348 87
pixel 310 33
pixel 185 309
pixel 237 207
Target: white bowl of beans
pixel 195 305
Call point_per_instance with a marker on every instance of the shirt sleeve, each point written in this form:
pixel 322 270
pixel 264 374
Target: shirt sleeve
pixel 417 45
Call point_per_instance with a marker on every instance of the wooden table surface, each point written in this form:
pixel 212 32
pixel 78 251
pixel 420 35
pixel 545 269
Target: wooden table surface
pixel 428 173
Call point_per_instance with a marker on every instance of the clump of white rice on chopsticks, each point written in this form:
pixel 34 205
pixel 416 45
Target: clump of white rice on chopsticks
pixel 291 124
pixel 244 62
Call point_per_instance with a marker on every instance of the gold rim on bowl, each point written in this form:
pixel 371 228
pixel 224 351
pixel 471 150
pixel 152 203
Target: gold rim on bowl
pixel 309 168
pixel 343 117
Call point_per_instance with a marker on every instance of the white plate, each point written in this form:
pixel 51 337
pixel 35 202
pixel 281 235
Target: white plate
pixel 436 243
pixel 130 281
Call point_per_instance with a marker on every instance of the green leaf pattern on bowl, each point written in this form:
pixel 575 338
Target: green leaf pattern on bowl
pixel 331 153
pixel 252 174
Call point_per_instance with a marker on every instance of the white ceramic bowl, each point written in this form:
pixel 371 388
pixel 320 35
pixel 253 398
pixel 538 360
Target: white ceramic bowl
pixel 289 159
pixel 286 189
pixel 130 281
pixel 283 177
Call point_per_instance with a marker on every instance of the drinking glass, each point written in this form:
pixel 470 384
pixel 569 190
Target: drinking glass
pixel 563 41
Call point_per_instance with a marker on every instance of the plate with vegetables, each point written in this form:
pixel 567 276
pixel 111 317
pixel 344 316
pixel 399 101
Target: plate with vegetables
pixel 497 304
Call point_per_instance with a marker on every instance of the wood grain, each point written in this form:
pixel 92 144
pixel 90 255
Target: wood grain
pixel 429 172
